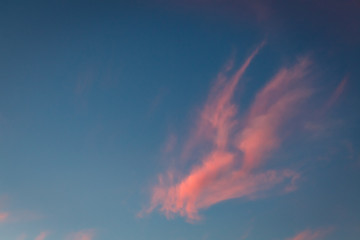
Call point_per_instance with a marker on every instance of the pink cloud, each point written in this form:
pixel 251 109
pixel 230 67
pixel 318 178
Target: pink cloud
pixel 227 171
pixel 21 237
pixel 216 119
pixel 338 92
pixel 3 216
pixel 42 236
pixel 82 235
pixel 311 235
pixel 272 107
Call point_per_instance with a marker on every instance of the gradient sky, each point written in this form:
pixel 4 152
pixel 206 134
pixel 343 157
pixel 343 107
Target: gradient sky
pixel 181 120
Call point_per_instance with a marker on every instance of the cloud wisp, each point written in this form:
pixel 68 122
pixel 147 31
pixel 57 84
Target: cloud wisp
pixel 3 216
pixel 311 235
pixel 42 236
pixel 238 148
pixel 82 235
pixel 338 92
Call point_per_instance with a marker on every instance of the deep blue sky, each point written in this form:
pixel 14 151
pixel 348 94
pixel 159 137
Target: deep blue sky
pixel 99 98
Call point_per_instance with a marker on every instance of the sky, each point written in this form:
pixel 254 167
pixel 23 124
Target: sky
pixel 181 120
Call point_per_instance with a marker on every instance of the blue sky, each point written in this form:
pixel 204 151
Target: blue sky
pixel 179 120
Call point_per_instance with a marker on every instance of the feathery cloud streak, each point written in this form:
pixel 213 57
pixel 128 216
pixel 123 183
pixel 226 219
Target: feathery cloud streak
pixel 21 237
pixel 42 236
pixel 82 235
pixel 338 92
pixel 232 168
pixel 310 235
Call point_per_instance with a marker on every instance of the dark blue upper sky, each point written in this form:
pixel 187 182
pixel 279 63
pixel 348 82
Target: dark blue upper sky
pixel 169 120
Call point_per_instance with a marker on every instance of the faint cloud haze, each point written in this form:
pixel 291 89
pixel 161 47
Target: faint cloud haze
pixel 21 237
pixel 3 216
pixel 82 235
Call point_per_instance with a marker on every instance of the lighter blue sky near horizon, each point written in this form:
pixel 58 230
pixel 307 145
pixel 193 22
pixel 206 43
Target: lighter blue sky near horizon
pixel 99 101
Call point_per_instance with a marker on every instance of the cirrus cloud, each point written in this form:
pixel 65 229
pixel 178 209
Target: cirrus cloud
pixel 3 216
pixel 233 167
pixel 42 236
pixel 311 234
pixel 82 235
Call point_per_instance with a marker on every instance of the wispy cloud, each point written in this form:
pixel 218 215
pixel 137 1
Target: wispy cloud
pixel 311 235
pixel 3 216
pixel 21 237
pixel 231 168
pixel 16 216
pixel 273 106
pixel 42 236
pixel 216 119
pixel 338 92
pixel 82 235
